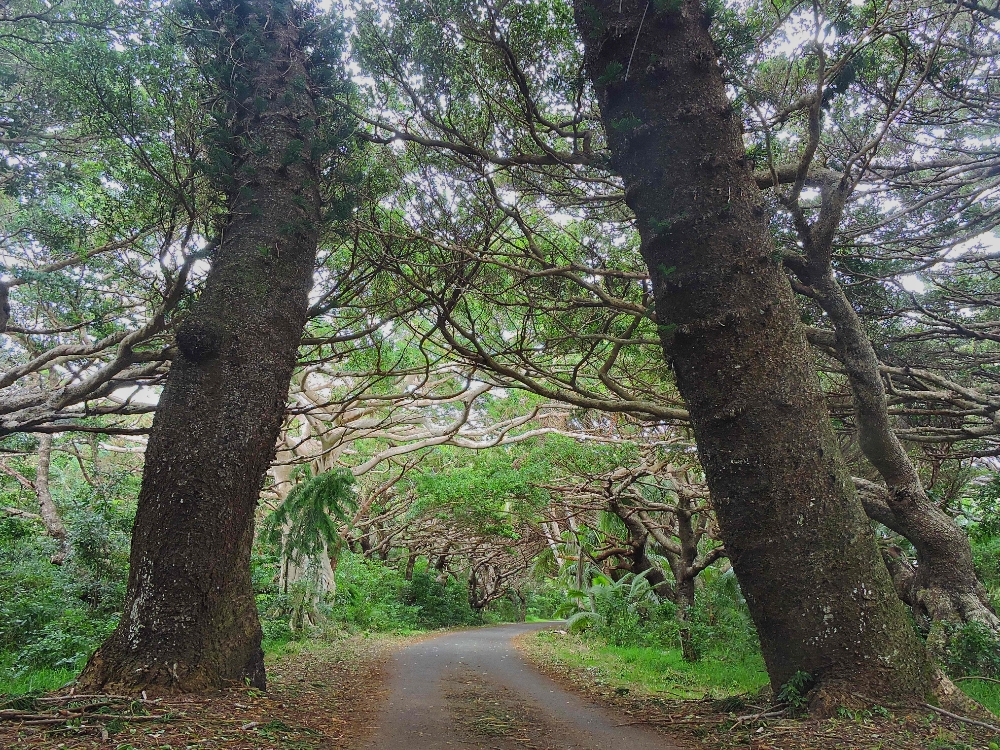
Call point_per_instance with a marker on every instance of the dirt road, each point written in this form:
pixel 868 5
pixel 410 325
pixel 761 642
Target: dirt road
pixel 471 689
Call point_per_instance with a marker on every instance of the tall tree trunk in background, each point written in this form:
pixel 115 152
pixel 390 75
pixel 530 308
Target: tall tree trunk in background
pixel 799 541
pixel 54 526
pixel 189 621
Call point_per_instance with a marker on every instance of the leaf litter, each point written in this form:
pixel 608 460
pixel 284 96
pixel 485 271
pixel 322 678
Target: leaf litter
pixel 323 695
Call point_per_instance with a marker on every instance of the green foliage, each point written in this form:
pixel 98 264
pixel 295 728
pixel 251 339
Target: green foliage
pixel 627 613
pixel 794 691
pixel 986 558
pixel 438 604
pixel 52 617
pixel 272 604
pixel 370 596
pixel 584 620
pixel 626 124
pixel 488 494
pixel 986 693
pixel 533 601
pixel 972 649
pixel 611 73
pixel 306 522
pixel 988 502
pixel 657 670
pixel 719 621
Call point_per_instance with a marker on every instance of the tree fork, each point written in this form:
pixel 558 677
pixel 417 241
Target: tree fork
pixel 190 621
pixel 944 587
pixel 799 541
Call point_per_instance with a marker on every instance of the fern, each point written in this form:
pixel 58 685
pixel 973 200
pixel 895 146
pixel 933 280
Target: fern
pixel 306 523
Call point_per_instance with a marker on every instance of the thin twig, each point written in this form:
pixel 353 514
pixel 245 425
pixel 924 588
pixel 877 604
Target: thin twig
pixel 757 717
pixel 636 44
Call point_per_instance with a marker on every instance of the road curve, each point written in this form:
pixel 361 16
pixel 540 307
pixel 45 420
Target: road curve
pixel 472 689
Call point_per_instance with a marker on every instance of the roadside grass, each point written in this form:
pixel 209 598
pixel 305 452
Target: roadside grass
pixel 653 671
pixel 987 693
pixel 35 681
pixel 663 672
pixel 44 680
pixel 656 687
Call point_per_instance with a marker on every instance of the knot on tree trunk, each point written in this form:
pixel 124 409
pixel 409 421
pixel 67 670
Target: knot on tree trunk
pixel 199 340
pixel 903 496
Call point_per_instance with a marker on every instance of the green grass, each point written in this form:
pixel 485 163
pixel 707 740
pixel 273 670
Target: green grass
pixel 36 681
pixel 660 671
pixel 987 693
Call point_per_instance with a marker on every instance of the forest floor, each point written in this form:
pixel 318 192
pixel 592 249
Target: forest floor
pixel 465 689
pixel 724 719
pixel 320 695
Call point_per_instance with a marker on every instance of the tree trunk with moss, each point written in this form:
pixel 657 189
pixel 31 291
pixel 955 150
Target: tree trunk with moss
pixel 190 621
pixel 796 534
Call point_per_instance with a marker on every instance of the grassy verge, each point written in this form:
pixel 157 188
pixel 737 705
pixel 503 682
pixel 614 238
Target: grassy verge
pixel 35 681
pixel 650 671
pixel 657 688
pixel 985 692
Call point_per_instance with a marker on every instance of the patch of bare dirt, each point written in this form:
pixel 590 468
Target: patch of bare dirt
pixel 327 695
pixel 742 721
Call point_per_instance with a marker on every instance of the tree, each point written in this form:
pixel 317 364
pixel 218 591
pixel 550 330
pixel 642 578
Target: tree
pixel 827 244
pixel 518 267
pixel 730 326
pixel 98 211
pixel 190 621
pixel 305 530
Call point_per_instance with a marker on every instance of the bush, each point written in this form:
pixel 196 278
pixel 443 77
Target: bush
pixel 720 620
pixel 628 613
pixel 972 650
pixel 369 596
pixel 543 599
pixel 53 617
pixel 439 605
pixel 986 557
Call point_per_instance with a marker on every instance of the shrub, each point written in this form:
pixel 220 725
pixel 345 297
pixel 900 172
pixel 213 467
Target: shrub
pixel 972 650
pixel 369 595
pixel 52 617
pixel 628 613
pixel 438 604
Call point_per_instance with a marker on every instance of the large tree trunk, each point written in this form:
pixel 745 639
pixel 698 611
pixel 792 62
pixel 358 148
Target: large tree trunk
pixel 189 621
pixel 800 543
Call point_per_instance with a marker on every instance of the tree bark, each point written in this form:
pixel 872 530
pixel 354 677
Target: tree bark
pixel 943 588
pixel 54 526
pixel 799 541
pixel 190 621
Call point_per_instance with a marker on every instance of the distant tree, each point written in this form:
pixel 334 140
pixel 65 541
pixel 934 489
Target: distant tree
pixel 305 528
